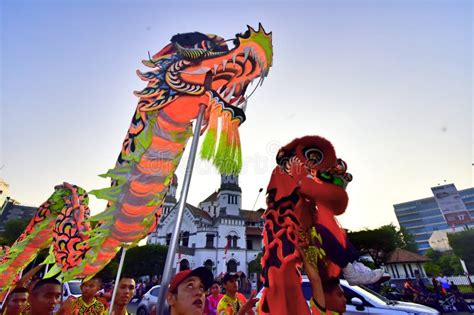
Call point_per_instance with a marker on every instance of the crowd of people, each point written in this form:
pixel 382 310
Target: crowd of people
pixel 190 292
pixel 43 297
pixel 443 295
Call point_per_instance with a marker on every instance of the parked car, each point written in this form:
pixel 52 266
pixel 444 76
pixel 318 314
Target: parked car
pixel 148 300
pixel 71 288
pixel 362 300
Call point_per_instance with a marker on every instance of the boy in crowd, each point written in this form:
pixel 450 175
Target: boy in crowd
pixel 186 293
pixel 16 301
pixel 233 302
pixel 334 296
pixel 87 303
pixel 44 296
pixel 328 296
pixel 125 293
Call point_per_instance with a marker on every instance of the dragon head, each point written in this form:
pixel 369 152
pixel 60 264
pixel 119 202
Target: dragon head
pixel 204 70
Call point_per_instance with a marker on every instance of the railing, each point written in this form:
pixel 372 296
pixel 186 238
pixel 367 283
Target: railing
pixel 460 280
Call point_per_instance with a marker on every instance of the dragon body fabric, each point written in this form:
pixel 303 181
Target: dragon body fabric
pixel 194 70
pixel 60 221
pixel 305 193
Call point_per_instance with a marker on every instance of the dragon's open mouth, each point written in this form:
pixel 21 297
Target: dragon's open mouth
pixel 232 77
pixel 209 65
pixel 237 73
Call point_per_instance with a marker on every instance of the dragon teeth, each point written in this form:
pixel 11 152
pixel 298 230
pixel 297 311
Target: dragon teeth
pixel 236 102
pixel 224 64
pixel 215 69
pixel 231 93
pixel 234 57
pixel 246 53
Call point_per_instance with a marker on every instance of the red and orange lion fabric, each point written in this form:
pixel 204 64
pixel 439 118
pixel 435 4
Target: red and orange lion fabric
pixel 305 193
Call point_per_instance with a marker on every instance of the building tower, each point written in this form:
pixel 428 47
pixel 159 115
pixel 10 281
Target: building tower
pixel 3 193
pixel 229 196
pixel 170 198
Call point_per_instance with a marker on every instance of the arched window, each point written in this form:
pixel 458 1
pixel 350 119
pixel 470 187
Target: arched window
pixel 231 266
pixel 208 264
pixel 183 265
pixel 232 240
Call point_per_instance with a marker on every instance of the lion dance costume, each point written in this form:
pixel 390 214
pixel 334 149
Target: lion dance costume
pixel 194 69
pixel 306 192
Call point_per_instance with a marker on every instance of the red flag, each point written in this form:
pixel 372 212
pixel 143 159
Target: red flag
pixel 226 248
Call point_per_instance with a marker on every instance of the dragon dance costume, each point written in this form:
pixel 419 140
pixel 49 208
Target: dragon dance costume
pixel 194 70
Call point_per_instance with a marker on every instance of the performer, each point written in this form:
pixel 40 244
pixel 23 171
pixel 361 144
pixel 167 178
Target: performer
pixel 233 302
pixel 87 303
pixel 185 294
pixel 328 296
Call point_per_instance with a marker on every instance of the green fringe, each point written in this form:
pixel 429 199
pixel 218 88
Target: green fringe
pixel 208 147
pixel 221 153
pixel 227 158
pixel 238 159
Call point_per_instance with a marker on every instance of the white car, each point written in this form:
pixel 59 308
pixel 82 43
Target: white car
pixel 148 300
pixel 71 288
pixel 361 300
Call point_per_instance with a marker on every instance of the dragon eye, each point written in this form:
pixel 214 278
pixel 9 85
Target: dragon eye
pixel 314 155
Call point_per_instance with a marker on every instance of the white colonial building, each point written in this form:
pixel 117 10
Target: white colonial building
pixel 217 224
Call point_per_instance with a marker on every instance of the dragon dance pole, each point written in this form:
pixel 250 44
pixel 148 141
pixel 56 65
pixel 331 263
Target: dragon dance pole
pixel 182 203
pixel 117 279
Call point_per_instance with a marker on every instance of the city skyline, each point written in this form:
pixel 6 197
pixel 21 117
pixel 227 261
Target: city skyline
pixel 388 84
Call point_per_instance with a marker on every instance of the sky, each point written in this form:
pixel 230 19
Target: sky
pixel 389 83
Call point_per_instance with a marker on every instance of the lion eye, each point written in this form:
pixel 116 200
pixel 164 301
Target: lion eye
pixel 314 155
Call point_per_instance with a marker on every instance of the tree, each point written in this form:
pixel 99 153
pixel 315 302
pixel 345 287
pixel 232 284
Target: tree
pixel 13 229
pixel 145 260
pixel 379 242
pixel 408 241
pixel 110 271
pixel 461 244
pixel 255 266
pixel 446 263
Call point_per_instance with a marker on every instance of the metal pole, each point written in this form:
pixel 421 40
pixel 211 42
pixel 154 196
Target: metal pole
pixel 117 279
pixel 259 192
pixel 5 298
pixel 165 280
pixel 9 289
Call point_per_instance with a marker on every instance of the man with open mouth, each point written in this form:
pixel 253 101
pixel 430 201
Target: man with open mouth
pixel 186 293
